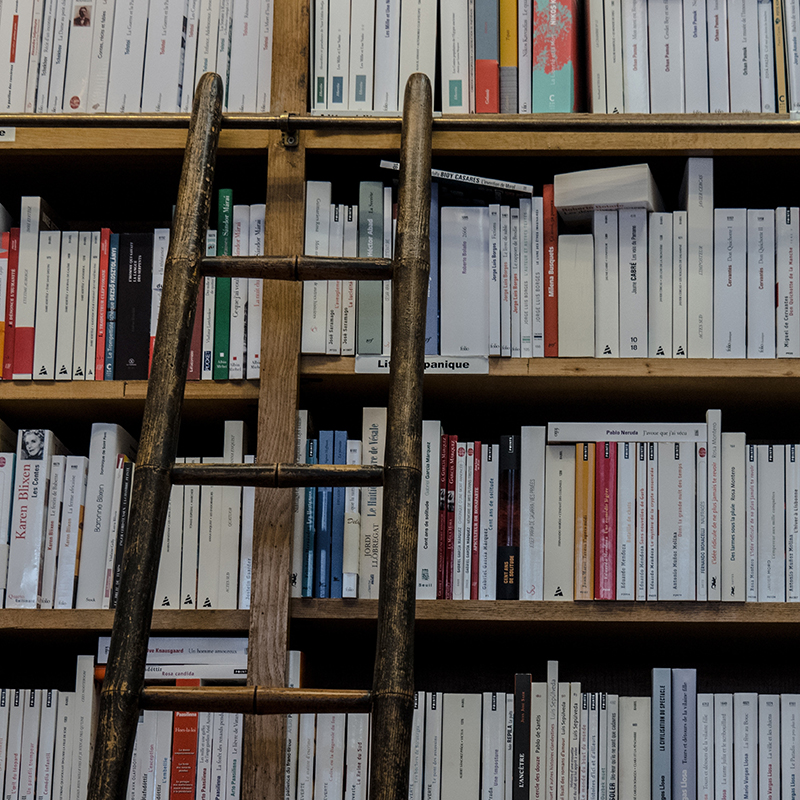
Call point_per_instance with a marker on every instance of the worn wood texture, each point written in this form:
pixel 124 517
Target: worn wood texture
pixel 255 699
pixel 393 683
pixel 277 475
pixel 264 737
pixel 299 268
pixel 119 701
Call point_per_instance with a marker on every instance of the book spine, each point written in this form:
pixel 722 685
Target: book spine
pixel 508 529
pixel 524 55
pixel 732 516
pixel 387 55
pixel 559 527
pixel 508 57
pixel 695 50
pixel 222 303
pixel 636 58
pixel 487 57
pixel 550 242
pixel 370 235
pixel 718 66
pixel 659 282
pixel 661 736
pixel 522 736
pixel 606 283
pixel 633 283
pixel 730 283
pixel 584 520
pixel 362 54
pixel 596 57
pixel 679 285
pixel 792 523
pixel 684 731
pixel 760 282
pixel 555 56
pixel 605 525
pixel 615 95
pixel 626 521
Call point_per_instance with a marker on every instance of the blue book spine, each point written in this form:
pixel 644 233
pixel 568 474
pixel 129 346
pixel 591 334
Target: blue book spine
pixel 111 305
pixel 337 517
pixel 432 311
pixel 322 550
pixel 309 526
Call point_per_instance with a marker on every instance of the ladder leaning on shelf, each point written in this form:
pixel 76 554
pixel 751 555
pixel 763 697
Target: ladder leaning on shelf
pixel 391 698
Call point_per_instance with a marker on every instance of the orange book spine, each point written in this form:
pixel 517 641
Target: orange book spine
pixel 584 520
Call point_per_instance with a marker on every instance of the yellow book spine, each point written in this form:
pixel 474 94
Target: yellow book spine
pixel 508 33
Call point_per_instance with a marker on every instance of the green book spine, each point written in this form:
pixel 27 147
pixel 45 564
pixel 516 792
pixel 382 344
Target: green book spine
pixel 222 303
pixel 370 245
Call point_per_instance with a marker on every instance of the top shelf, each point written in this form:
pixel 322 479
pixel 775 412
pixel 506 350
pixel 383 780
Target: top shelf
pixel 563 134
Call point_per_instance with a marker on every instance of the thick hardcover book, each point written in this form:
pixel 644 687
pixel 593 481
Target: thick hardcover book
pixel 522 736
pixel 134 278
pixel 605 521
pixel 550 239
pixel 222 307
pixel 556 71
pixel 661 738
pixel 508 519
pixel 584 520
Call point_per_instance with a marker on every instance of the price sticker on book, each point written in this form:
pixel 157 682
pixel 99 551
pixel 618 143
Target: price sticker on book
pixel 8 135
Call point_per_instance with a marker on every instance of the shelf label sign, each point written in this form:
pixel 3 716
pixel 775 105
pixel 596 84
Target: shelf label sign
pixel 434 365
pixel 8 134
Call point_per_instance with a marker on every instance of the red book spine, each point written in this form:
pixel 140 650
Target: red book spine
pixel 184 750
pixel 4 242
pixel 450 532
pixel 11 305
pixel 476 524
pixel 196 347
pixel 605 522
pixel 551 272
pixel 441 551
pixel 487 86
pixel 102 307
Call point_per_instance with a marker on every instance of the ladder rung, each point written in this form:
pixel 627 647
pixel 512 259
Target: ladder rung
pixel 255 699
pixel 276 475
pixel 297 268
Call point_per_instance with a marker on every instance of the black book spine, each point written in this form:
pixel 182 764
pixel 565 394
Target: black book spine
pixel 508 520
pixel 134 299
pixel 522 736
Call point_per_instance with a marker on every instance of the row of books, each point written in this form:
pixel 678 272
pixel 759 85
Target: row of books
pixel 64 521
pixel 522 56
pixel 623 279
pixel 570 511
pixel 553 739
pixel 47 737
pixel 92 57
pixel 83 305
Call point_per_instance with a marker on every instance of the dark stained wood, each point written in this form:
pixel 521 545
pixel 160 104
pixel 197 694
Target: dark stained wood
pixel 255 699
pixel 276 475
pixel 393 683
pixel 299 268
pixel 119 701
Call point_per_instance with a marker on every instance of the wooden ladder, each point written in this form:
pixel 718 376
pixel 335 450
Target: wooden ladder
pixel 391 699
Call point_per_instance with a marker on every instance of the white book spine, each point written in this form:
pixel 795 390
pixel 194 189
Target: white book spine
pixel 761 283
pixel 666 56
pixel 15 40
pixel 418 36
pixel 537 261
pixel 209 296
pixel 190 57
pixel 428 536
pixel 633 283
pixel 493 756
pixel 208 33
pixel 659 279
pixel 494 293
pixel 745 744
pixel 373 439
pixel 338 55
pixel 235 437
pixel 319 49
pixel 44 349
pixel 51 9
pixel 705 746
pixel 576 295
pixel 79 60
pixel 246 549
pixel 718 75
pixel 769 747
pixel 615 78
pixel 695 50
pixel 701 515
pixel 505 280
pixel 743 38
pixel 606 284
pixel 487 585
pixel 559 529
pixel 238 328
pixel 532 511
pixel 433 745
pixel 84 725
pixel 766 42
pixel 164 55
pixel 387 55
pixel 103 24
pixel 524 56
pixel 127 56
pixel 317 237
pixel 636 59
pixel 352 526
pixel 243 76
pixel 526 275
pixel 597 57
pixel 7 464
pixel 787 237
pixel 349 288
pixel 54 510
pixel 626 521
pixel 34 56
pixel 55 93
pixel 265 40
pixel 255 293
pixel 168 584
pixel 516 310
pixel 191 532
pixel 68 284
pixel 47 740
pixel 81 306
pixel 680 284
pixel 362 54
pixel 333 320
pixel 790 723
pixel 732 517
pixel 792 524
pixel 464 276
pixel 771 527
pixel 72 521
pixel 698 194
pixel 715 484
pixel 730 282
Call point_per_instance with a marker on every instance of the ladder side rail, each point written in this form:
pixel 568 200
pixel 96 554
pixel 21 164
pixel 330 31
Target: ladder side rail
pixel 124 680
pixel 393 681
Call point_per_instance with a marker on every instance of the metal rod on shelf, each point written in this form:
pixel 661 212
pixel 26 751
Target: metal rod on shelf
pixel 124 680
pixel 276 475
pixel 255 699
pixel 393 682
pixel 298 268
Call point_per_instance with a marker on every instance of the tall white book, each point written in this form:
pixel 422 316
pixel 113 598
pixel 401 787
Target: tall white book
pixel 697 198
pixel 769 746
pixel 464 277
pixel 90 351
pixel 751 524
pixel 732 517
pixel 246 548
pixel 191 534
pixel 792 502
pixel 333 317
pixel 634 747
pixel 84 723
pixel 234 441
pixel 15 41
pixel 532 512
pixel 265 39
pixel 576 296
pixel 787 240
pixel 701 517
pixel 317 239
pixel 387 55
pixel 615 77
pixel 428 531
pixel 417 42
pixel 362 54
pixel 636 58
pixel 432 773
pixel 718 56
pixel 760 283
pixel 626 521
pixel 127 56
pixel 46 747
pixel 239 287
pixel 680 284
pixel 164 53
pixel 34 56
pixel 55 92
pixel 84 266
pixel 72 522
pixel 338 55
pixel 79 60
pixel 373 440
pixel 606 284
pixel 190 55
pixel 107 442
pixel 665 24
pixel 633 282
pixel 495 332
pixel 461 746
pixel 695 55
pixel 208 35
pixel 103 25
pixel 559 529
pixel 714 489
pixel 55 503
pixel 242 87
pixel 745 80
pixel 255 292
pixel 44 347
pixel 790 720
pixel 771 547
pixel 596 52
pixel 766 49
pixel 168 583
pixel 208 546
pixel 659 283
pixel 730 282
